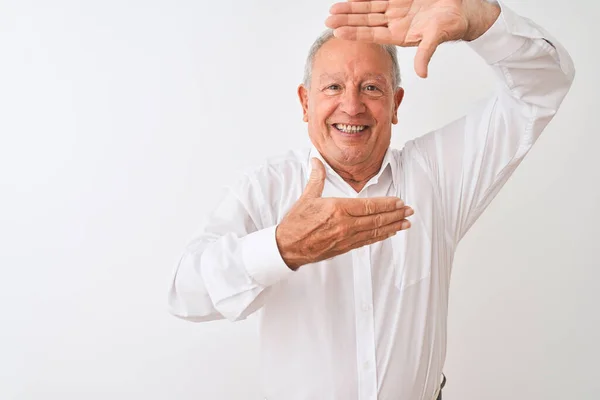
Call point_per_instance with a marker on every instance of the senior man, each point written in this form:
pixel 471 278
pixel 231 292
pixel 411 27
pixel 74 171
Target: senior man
pixel 352 297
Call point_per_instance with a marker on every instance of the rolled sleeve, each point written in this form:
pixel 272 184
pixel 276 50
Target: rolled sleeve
pixel 262 258
pixel 503 38
pixel 511 32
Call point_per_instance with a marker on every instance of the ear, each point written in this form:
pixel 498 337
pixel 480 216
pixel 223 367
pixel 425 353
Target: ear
pixel 398 96
pixel 303 96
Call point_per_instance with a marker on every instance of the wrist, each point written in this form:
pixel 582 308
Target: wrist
pixel 481 15
pixel 286 250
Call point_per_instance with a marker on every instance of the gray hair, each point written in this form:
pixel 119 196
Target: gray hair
pixel 328 35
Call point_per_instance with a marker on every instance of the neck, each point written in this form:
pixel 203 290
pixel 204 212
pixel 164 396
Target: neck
pixel 357 186
pixel 357 176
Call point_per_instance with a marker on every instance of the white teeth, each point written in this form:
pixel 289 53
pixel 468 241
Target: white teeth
pixel 350 128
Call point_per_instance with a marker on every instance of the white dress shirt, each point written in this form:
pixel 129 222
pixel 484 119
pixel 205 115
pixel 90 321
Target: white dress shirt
pixel 371 323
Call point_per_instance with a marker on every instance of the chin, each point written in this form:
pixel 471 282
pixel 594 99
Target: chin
pixel 352 155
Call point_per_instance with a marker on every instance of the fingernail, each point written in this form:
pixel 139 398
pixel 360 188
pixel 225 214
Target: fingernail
pixel 399 204
pixel 409 211
pixel 405 225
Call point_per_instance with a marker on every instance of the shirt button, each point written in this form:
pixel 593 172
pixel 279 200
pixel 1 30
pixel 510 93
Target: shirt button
pixel 366 307
pixel 366 365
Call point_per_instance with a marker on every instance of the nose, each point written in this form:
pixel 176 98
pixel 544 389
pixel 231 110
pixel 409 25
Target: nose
pixel 351 102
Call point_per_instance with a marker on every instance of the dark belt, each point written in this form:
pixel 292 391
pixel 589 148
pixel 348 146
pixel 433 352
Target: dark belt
pixel 442 386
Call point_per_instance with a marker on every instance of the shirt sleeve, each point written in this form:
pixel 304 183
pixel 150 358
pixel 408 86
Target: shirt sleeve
pixel 470 159
pixel 227 270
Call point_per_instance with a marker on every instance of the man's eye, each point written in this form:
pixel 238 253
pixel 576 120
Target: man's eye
pixel 371 88
pixel 333 87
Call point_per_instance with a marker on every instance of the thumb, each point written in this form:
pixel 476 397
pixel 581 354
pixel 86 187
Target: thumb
pixel 316 182
pixel 425 51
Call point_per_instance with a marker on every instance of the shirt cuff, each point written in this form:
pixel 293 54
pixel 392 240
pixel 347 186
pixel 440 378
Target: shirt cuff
pixel 262 258
pixel 501 40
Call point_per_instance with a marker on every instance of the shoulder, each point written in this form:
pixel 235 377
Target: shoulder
pixel 421 151
pixel 275 171
pixel 404 155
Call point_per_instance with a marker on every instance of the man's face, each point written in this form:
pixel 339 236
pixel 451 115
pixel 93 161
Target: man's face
pixel 351 105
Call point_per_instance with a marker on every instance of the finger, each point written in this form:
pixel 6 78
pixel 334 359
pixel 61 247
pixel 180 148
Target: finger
pixel 378 34
pixel 384 230
pixel 372 241
pixel 425 51
pixel 316 182
pixel 362 236
pixel 359 7
pixel 372 236
pixel 338 20
pixel 373 205
pixel 375 221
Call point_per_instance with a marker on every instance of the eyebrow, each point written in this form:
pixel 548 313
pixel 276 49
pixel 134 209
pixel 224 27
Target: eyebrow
pixel 325 76
pixel 377 77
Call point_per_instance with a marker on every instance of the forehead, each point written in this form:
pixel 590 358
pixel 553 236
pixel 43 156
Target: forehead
pixel 344 58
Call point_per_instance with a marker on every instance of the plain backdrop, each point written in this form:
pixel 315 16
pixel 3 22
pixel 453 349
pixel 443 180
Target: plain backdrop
pixel 119 120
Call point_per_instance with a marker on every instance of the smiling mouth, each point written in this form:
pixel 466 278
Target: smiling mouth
pixel 350 129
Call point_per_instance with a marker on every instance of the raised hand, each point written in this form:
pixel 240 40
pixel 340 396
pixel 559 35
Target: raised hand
pixel 319 228
pixel 409 23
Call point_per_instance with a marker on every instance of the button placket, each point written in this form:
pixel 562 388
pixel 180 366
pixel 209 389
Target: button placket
pixel 365 334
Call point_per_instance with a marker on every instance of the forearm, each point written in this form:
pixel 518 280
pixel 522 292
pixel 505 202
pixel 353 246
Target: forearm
pixel 225 271
pixel 481 15
pixel 534 76
pixel 474 156
pixel 224 278
pixel 533 67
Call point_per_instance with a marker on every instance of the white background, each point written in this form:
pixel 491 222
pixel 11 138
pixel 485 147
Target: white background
pixel 119 119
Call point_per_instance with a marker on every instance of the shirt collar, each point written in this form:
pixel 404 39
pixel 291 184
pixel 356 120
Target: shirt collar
pixel 388 159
